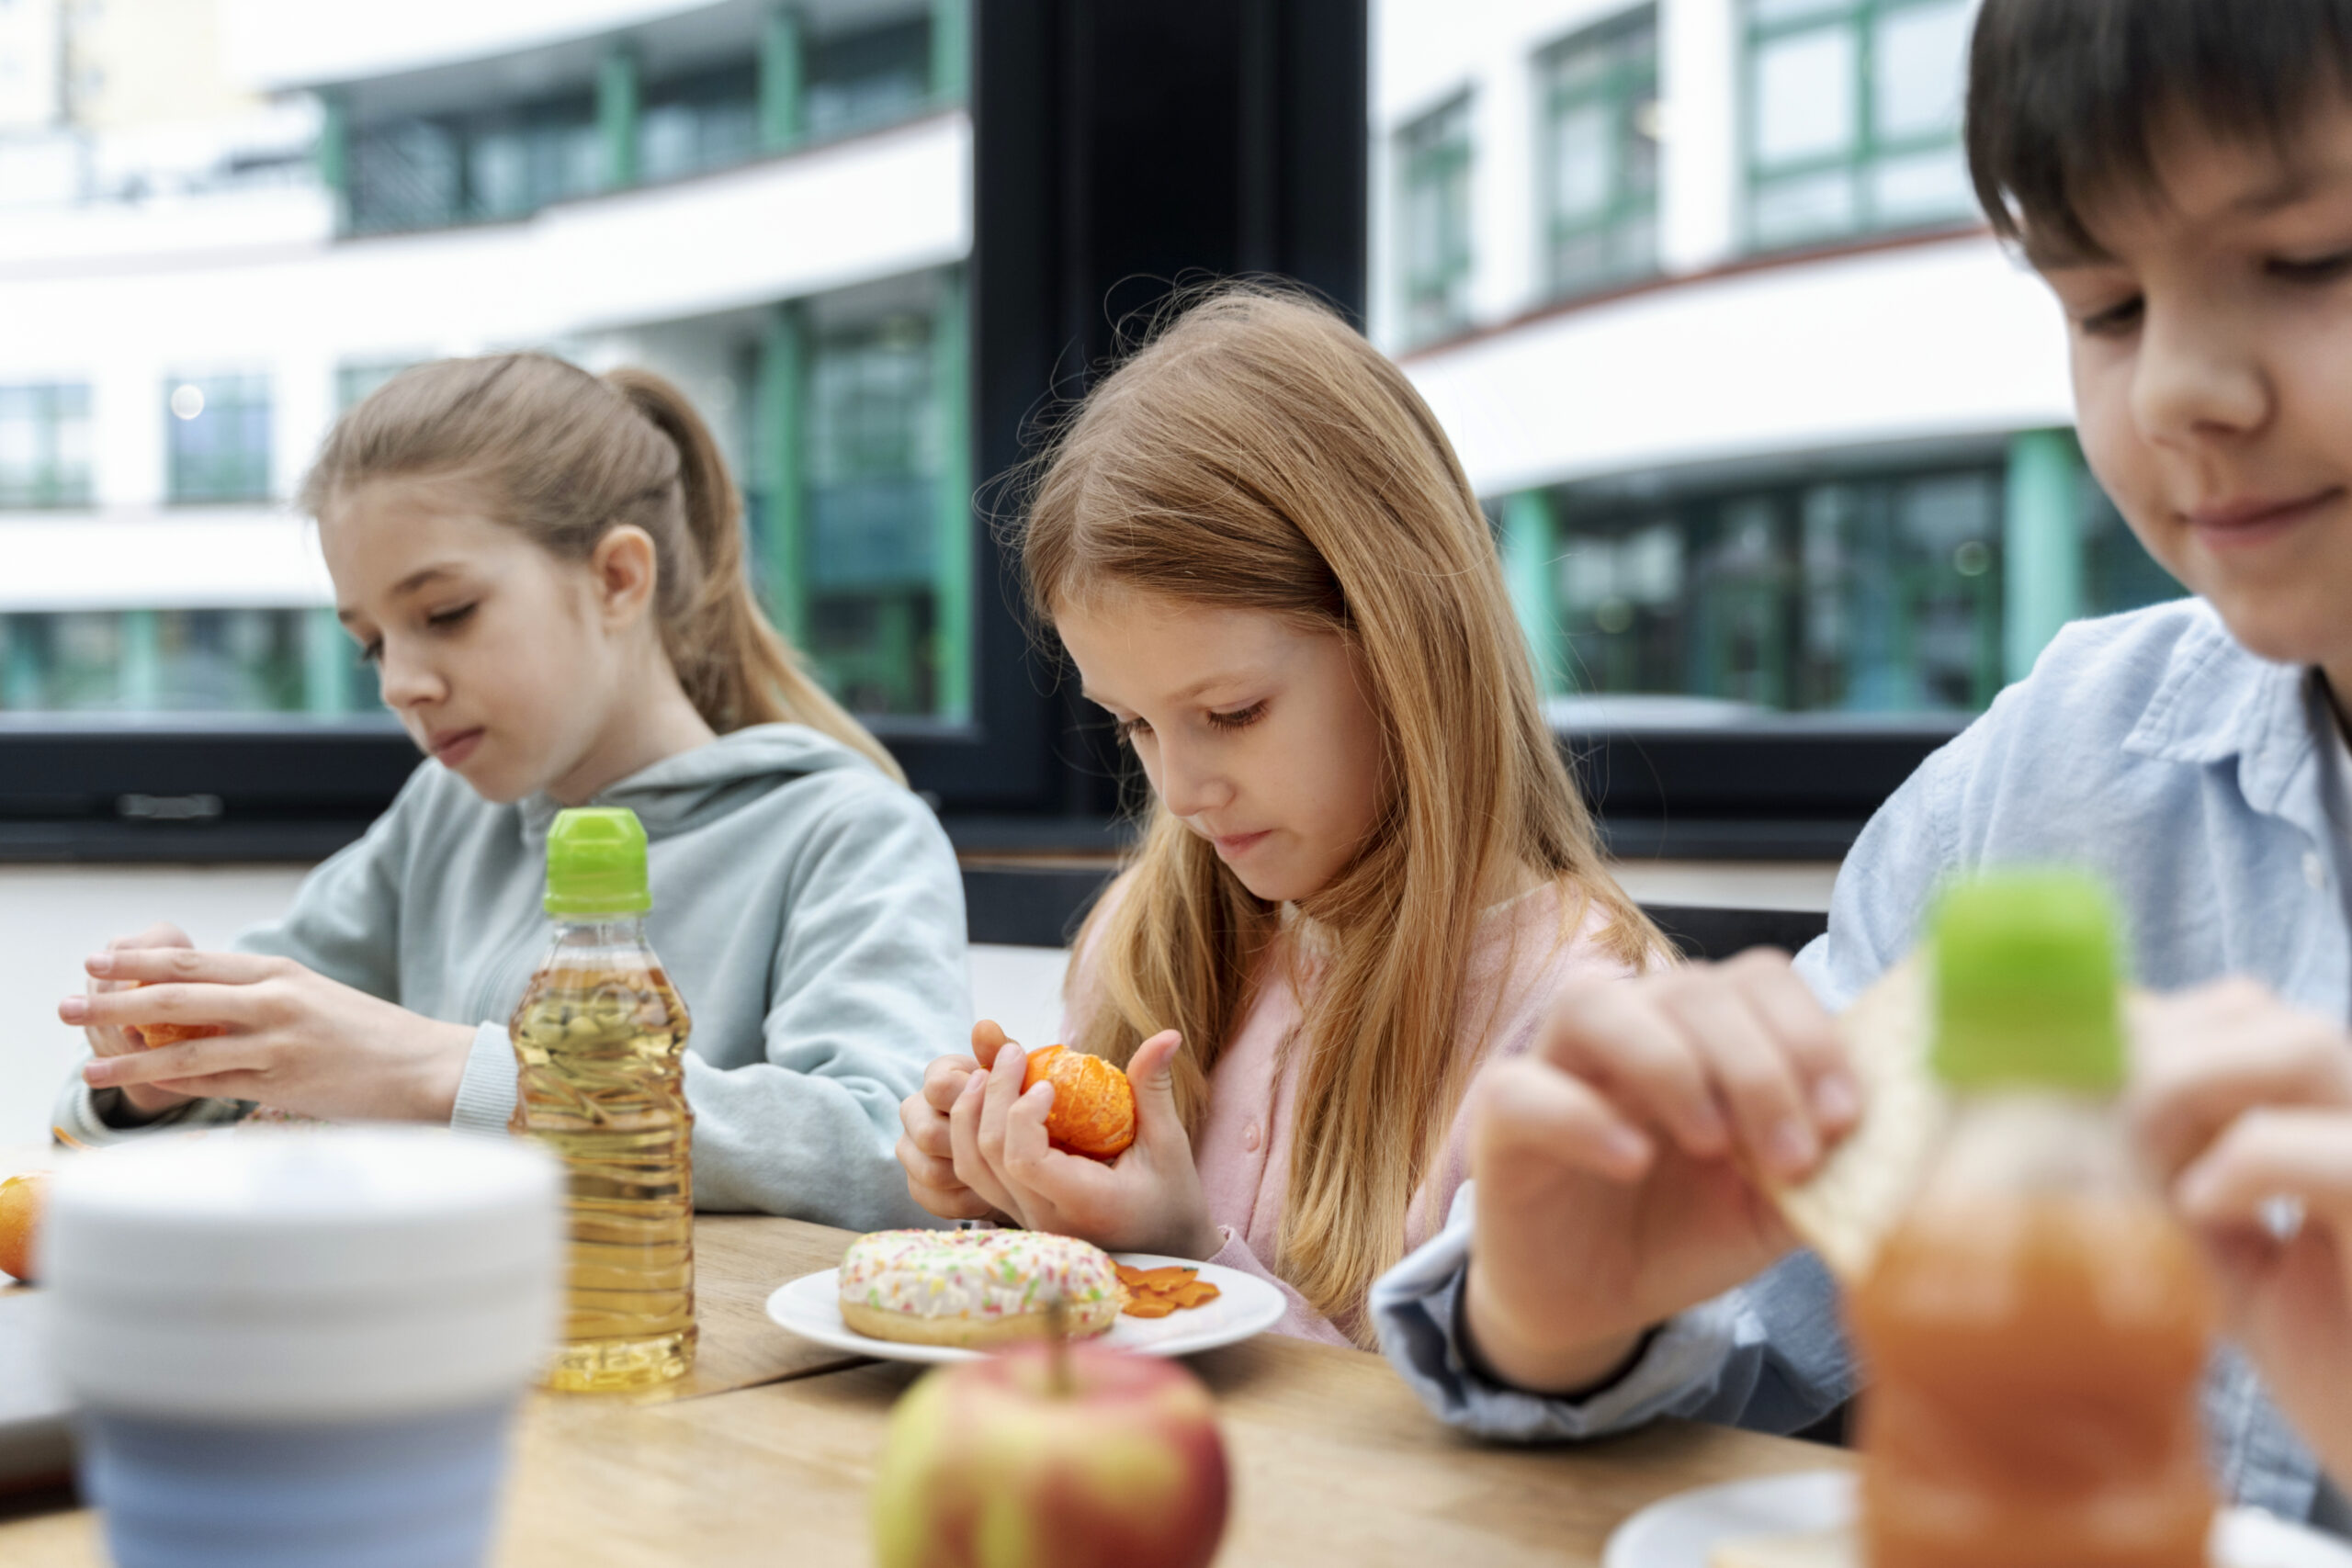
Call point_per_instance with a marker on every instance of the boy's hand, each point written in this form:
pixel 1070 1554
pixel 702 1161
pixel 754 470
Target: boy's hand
pixel 926 1149
pixel 297 1041
pixel 2243 1106
pixel 148 1099
pixel 1612 1160
pixel 1148 1200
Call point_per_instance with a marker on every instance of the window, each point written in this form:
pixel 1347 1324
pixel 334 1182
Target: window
pixel 708 120
pixel 1434 213
pixel 45 445
pixel 1854 117
pixel 225 661
pixel 219 437
pixel 868 78
pixel 355 383
pixel 1599 152
pixel 429 173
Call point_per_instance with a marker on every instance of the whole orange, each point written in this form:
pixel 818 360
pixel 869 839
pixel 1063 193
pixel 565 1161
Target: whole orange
pixel 1094 1106
pixel 21 1199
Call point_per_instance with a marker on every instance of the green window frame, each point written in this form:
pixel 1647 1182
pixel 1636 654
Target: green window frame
pixel 45 445
pixel 1433 161
pixel 1896 160
pixel 1601 85
pixel 217 437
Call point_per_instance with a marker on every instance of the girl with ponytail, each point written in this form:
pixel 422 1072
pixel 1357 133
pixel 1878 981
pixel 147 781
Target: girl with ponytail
pixel 546 567
pixel 1364 870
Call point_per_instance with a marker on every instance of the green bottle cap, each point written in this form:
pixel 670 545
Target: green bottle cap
pixel 2026 985
pixel 596 863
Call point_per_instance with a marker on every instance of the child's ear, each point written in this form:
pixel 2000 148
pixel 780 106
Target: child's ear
pixel 623 568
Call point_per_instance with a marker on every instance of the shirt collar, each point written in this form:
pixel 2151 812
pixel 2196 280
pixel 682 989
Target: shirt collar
pixel 2217 702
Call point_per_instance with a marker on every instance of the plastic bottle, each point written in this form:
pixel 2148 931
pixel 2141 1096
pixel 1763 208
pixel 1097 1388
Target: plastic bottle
pixel 597 1042
pixel 2036 1326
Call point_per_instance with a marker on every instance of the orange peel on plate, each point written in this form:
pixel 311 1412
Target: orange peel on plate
pixel 1094 1106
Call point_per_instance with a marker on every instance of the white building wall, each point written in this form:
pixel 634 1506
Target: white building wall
pixel 1697 78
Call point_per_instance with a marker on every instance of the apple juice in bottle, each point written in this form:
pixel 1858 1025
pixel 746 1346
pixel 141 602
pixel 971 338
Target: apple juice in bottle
pixel 597 1043
pixel 2035 1327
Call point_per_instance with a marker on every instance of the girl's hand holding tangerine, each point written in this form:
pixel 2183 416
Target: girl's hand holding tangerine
pixel 147 1098
pixel 295 1040
pixel 2243 1108
pixel 1613 1160
pixel 926 1147
pixel 1147 1200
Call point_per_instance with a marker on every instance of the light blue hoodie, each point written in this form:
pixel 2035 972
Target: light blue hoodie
pixel 808 910
pixel 2199 782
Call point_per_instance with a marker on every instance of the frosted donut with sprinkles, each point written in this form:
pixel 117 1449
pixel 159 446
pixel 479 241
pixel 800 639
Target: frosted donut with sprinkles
pixel 975 1288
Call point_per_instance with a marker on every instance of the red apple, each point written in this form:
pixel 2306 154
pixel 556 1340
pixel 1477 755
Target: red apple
pixel 1074 1456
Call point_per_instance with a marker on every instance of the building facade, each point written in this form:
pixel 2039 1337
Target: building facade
pixel 1766 420
pixel 768 202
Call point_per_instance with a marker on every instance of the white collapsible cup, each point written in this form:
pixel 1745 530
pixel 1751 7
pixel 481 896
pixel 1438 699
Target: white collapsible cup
pixel 302 1347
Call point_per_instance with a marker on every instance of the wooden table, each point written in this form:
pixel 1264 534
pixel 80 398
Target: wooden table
pixel 767 1457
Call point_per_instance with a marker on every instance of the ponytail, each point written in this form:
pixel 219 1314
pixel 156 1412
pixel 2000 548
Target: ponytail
pixel 735 668
pixel 571 457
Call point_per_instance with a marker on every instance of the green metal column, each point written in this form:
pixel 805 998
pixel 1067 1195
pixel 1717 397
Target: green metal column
pixel 783 71
pixel 326 665
pixel 140 680
pixel 951 48
pixel 24 686
pixel 1527 573
pixel 2041 545
pixel 618 99
pixel 778 413
pixel 951 401
pixel 334 155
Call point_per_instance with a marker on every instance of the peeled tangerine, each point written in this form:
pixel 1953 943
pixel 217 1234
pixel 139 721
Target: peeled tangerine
pixel 153 1036
pixel 1094 1106
pixel 21 1198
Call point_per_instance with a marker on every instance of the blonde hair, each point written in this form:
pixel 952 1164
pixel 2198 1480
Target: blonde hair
pixel 1259 453
pixel 566 456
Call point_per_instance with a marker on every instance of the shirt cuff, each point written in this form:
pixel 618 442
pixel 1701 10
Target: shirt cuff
pixel 1417 1308
pixel 485 1101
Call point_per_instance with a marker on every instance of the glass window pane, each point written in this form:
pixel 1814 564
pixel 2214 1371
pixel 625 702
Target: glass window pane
pixel 1920 62
pixel 1804 96
pixel 1790 210
pixel 1584 147
pixel 1921 187
pixel 1771 11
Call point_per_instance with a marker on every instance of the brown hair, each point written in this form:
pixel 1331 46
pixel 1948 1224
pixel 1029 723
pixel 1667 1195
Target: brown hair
pixel 566 456
pixel 1259 453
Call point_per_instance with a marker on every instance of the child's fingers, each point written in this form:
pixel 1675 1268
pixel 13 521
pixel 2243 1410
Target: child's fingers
pixel 2188 1090
pixel 1528 1110
pixel 927 1173
pixel 943 1081
pixel 1000 1089
pixel 1151 1073
pixel 926 1128
pixel 1753 1076
pixel 2302 1154
pixel 163 933
pixel 166 1064
pixel 1617 1036
pixel 1029 1156
pixel 988 1038
pixel 1794 1018
pixel 964 1137
pixel 165 1003
pixel 148 965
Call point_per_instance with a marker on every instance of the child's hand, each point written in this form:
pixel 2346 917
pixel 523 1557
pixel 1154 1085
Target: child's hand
pixel 1611 1159
pixel 150 1099
pixel 926 1149
pixel 2243 1107
pixel 296 1042
pixel 1148 1200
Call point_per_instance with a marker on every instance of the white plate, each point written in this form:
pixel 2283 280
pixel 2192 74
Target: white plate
pixel 1679 1531
pixel 1246 1305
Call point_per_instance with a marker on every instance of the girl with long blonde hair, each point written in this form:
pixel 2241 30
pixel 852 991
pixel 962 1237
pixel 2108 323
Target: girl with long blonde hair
pixel 546 570
pixel 1366 868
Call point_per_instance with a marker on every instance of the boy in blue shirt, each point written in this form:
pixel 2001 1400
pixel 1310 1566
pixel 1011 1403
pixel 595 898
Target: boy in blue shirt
pixel 2180 172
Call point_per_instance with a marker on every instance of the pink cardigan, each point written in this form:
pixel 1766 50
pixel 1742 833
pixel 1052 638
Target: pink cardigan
pixel 1242 1150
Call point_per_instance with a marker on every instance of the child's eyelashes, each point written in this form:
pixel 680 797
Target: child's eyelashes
pixel 1239 718
pixel 1129 729
pixel 2115 321
pixel 2317 269
pixel 442 620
